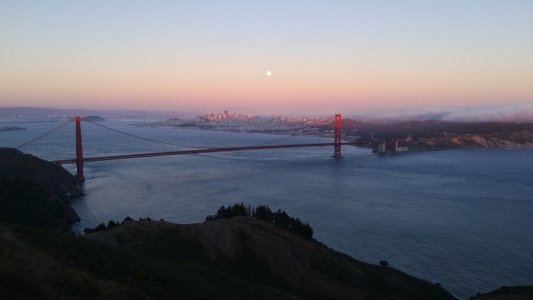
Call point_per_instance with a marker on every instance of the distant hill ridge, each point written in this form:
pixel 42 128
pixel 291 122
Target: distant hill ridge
pixel 430 127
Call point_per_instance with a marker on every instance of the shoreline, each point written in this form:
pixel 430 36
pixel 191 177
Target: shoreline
pixel 422 147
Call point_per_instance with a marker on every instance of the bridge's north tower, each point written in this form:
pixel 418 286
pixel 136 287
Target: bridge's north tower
pixel 337 137
pixel 79 151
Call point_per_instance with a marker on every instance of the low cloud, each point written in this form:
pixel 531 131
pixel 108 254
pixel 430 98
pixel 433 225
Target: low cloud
pixel 493 113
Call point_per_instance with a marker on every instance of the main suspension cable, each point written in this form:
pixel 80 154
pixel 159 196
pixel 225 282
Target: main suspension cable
pixel 143 138
pixel 44 134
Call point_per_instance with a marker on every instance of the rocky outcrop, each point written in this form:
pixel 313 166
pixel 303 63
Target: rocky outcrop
pixel 33 192
pixel 11 128
pixel 51 177
pixel 256 249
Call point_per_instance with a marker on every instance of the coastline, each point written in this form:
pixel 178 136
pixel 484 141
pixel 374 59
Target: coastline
pixel 454 142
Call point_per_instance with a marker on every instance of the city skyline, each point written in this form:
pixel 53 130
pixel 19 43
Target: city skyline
pixel 306 57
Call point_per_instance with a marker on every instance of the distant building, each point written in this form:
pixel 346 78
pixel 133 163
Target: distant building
pixel 392 146
pixel 402 146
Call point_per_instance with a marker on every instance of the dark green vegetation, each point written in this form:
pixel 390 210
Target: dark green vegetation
pixel 263 253
pixel 24 202
pixel 160 260
pixel 262 212
pixel 33 192
pixel 38 264
pixel 102 226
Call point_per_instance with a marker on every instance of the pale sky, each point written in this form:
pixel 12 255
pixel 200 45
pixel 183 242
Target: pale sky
pixel 324 56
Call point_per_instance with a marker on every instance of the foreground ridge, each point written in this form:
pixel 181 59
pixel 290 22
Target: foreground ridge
pixel 259 250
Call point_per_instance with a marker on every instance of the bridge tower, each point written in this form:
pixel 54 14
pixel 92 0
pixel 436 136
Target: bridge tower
pixel 337 137
pixel 79 151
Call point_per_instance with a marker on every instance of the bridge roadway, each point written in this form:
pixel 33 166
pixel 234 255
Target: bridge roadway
pixel 195 151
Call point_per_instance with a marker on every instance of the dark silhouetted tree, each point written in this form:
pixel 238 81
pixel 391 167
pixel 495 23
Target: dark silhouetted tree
pixel 280 218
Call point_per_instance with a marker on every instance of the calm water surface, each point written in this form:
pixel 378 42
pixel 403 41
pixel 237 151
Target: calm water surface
pixel 461 218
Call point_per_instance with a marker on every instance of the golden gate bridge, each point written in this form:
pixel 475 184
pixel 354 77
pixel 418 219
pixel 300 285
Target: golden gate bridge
pixel 80 159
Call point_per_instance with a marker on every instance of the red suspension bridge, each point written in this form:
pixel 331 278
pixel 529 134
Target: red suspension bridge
pixel 80 160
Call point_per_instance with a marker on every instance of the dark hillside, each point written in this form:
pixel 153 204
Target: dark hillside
pixel 52 178
pixel 24 202
pixel 247 247
pixel 39 264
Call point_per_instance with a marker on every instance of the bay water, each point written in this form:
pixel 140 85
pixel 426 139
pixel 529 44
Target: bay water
pixel 459 218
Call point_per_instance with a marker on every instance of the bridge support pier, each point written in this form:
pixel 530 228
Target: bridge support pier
pixel 337 137
pixel 79 151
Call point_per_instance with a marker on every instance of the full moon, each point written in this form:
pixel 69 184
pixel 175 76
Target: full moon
pixel 269 73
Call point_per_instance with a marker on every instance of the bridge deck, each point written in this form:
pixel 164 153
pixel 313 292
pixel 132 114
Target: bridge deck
pixel 195 151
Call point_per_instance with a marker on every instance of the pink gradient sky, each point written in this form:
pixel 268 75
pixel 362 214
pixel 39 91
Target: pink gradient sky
pixel 325 56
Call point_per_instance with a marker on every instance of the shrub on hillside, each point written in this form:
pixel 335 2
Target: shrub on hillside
pixel 280 218
pixel 110 225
